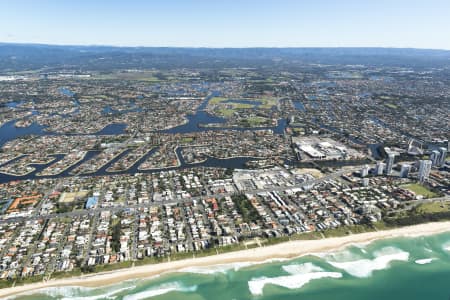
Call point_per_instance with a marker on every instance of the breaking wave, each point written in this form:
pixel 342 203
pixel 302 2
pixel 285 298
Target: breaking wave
pixel 300 275
pixel 161 290
pixel 224 268
pixel 365 267
pixel 108 295
pixel 423 261
pixel 302 268
pixel 342 255
pixel 446 246
pixel 74 292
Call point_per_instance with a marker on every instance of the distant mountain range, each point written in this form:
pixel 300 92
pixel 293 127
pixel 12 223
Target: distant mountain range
pixel 17 57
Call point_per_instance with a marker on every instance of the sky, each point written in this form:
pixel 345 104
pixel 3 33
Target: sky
pixel 228 23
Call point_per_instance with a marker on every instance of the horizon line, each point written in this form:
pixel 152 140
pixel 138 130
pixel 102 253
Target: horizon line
pixel 220 47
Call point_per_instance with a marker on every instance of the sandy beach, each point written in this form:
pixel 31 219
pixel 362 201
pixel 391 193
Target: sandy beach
pixel 283 250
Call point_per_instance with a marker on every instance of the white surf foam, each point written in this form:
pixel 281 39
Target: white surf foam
pixel 216 268
pixel 365 267
pixel 57 292
pixel 301 275
pixel 446 246
pixel 108 295
pixel 161 290
pixel 224 268
pixel 302 268
pixel 423 261
pixel 343 255
pixel 256 286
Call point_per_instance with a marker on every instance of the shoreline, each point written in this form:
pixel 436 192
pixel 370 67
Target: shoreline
pixel 285 250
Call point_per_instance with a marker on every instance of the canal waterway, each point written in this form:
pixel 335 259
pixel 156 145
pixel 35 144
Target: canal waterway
pixel 197 122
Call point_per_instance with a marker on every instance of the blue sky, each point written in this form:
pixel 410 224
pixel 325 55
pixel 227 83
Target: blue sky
pixel 228 23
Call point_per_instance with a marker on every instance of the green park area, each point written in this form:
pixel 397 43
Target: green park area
pixel 217 100
pixel 187 140
pixel 433 207
pixel 266 102
pixel 226 112
pixel 133 76
pixel 255 122
pixel 228 109
pixel 419 189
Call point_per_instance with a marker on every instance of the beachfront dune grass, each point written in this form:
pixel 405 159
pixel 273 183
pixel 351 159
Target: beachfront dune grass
pixel 418 215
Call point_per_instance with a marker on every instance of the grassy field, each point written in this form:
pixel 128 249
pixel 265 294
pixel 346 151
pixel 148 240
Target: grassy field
pixel 241 105
pixel 187 140
pixel 266 102
pixel 230 108
pixel 226 112
pixel 138 76
pixel 255 121
pixel 419 189
pixel 433 207
pixel 217 100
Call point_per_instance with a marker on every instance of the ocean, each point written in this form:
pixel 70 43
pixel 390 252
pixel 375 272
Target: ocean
pixel 400 268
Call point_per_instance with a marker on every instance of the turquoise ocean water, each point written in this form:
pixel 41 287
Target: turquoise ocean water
pixel 401 268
